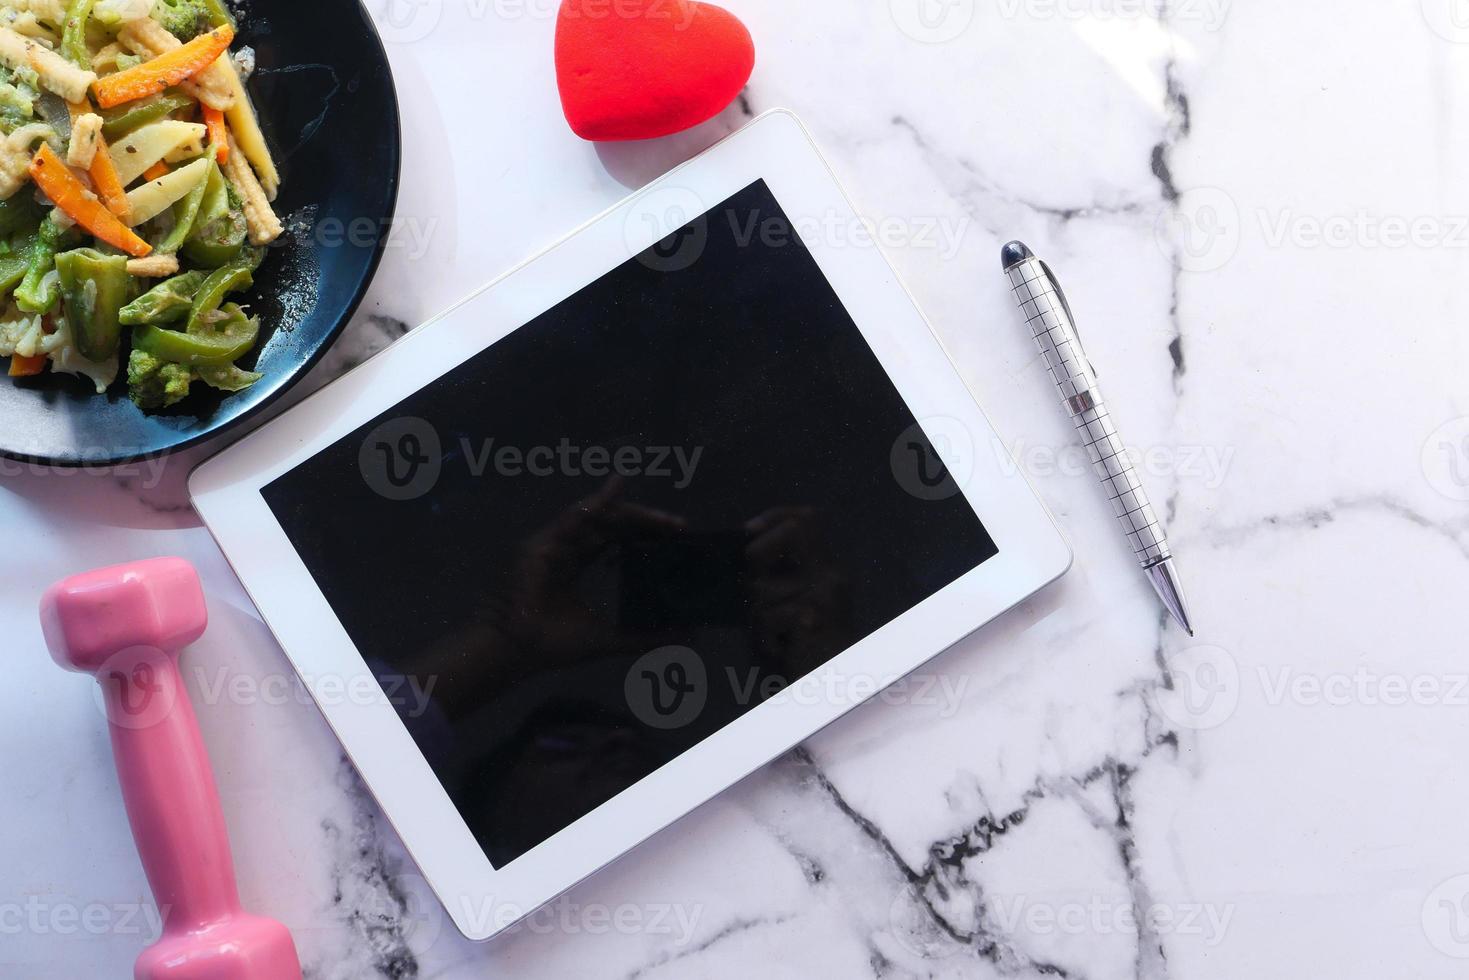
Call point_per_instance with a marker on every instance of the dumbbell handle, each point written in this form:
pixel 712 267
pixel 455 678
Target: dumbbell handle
pixel 168 788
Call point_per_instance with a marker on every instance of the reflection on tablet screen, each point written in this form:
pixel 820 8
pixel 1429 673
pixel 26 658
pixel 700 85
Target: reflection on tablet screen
pixel 603 538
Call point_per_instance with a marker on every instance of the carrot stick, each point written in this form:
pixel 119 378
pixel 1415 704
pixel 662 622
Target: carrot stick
pixel 218 134
pixel 66 192
pixel 105 179
pixel 169 68
pixel 25 367
pixel 159 169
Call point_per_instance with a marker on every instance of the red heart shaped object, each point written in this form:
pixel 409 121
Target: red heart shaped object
pixel 637 69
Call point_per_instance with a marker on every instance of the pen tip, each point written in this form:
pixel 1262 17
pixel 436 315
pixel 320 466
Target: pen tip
pixel 1014 253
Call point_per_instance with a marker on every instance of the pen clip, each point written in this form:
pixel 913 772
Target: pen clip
pixel 1066 305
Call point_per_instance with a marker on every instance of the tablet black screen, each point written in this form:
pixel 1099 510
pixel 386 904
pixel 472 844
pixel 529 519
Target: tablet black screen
pixel 607 535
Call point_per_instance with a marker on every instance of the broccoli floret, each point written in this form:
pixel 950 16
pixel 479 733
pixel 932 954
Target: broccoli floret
pixel 155 384
pixel 184 19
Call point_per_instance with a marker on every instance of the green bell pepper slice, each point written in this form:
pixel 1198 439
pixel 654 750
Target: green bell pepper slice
pixel 20 212
pixel 74 34
pixel 16 261
pixel 166 302
pixel 12 271
pixel 93 289
pixel 186 213
pixel 37 293
pixel 219 342
pixel 219 227
pixel 123 119
pixel 227 377
pixel 235 275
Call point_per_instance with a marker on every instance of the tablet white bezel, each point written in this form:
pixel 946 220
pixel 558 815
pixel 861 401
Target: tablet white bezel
pixel 481 899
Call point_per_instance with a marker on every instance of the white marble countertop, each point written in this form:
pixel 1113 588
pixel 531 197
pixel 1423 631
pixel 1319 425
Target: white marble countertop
pixel 1261 213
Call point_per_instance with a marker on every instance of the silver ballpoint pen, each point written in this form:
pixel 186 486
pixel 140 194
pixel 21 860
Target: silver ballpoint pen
pixel 1049 317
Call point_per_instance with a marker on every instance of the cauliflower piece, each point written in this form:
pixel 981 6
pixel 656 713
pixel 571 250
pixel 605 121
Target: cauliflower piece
pixel 111 13
pixel 15 156
pixel 86 132
pixel 66 359
pixel 51 11
pixel 155 266
pixel 154 384
pixel 55 72
pixel 23 334
pixel 264 226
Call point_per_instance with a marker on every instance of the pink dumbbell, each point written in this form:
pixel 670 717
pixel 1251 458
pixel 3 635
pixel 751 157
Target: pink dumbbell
pixel 125 625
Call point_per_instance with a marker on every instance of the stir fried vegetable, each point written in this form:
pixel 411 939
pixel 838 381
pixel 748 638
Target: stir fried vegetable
pixel 135 195
pixel 93 288
pixel 154 76
pixel 121 120
pixel 166 302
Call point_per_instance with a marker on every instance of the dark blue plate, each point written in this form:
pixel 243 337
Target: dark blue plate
pixel 326 101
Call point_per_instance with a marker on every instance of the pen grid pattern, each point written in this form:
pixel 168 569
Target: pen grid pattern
pixel 1054 335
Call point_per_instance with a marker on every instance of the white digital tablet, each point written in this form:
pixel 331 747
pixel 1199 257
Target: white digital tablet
pixel 626 524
